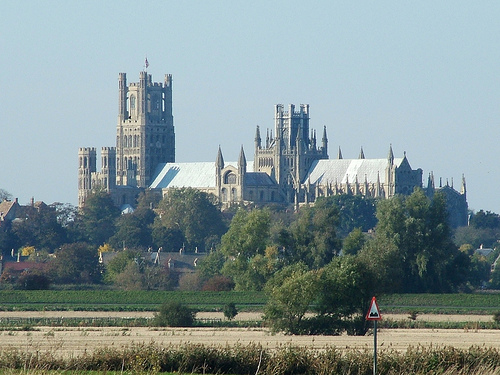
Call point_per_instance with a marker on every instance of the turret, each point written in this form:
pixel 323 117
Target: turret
pixel 361 154
pixel 86 171
pixel 219 166
pixel 390 156
pixel 258 140
pixel 463 189
pixel 219 162
pixel 430 182
pixel 242 161
pixel 324 141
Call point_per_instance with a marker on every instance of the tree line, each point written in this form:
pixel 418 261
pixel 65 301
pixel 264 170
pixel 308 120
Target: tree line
pixel 329 258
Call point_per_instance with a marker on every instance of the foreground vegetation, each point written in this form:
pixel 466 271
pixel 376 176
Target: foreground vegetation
pixel 255 359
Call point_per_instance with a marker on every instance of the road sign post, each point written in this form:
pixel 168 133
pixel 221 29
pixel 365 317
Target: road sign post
pixel 374 315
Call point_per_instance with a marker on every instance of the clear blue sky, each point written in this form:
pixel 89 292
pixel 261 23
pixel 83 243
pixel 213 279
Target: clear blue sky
pixel 423 76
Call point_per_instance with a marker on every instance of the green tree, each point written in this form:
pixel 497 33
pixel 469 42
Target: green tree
pixel 174 314
pixel 76 263
pixel 345 288
pixel 119 263
pixel 488 219
pixel 248 234
pixel 426 256
pixel 193 212
pixel 40 228
pixel 211 265
pixel 244 246
pixel 312 237
pixel 169 239
pixel 230 310
pixel 354 242
pixel 292 292
pixel 355 211
pixel 96 220
pixel 250 274
pixel 134 230
pixel 130 278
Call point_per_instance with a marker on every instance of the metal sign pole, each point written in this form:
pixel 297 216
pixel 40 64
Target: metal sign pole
pixel 374 347
pixel 374 314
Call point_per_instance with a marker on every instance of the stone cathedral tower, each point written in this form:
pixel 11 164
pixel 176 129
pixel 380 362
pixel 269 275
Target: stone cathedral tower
pixel 145 133
pixel 288 154
pixel 145 137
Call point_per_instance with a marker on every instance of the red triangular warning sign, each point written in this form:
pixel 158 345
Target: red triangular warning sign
pixel 373 311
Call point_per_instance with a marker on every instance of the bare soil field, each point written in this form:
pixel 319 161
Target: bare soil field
pixel 74 341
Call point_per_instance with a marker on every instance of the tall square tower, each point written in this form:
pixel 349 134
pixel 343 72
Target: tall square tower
pixel 145 133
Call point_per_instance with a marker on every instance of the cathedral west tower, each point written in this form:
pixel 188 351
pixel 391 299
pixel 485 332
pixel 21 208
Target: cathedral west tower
pixel 145 134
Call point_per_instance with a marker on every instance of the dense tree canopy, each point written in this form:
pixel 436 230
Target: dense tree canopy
pixel 192 212
pixel 76 263
pixel 410 248
pixel 415 231
pixel 133 230
pixel 312 237
pixel 96 221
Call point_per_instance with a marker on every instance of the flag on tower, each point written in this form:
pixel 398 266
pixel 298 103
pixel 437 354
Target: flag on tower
pixel 146 63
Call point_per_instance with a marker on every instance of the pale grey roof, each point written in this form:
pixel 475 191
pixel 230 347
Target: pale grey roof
pixel 343 170
pixel 195 175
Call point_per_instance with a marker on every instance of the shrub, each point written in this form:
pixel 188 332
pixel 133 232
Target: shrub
pixel 218 284
pixel 412 314
pixel 174 314
pixel 496 316
pixel 33 281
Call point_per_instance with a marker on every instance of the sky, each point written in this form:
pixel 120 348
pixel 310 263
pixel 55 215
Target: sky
pixel 422 76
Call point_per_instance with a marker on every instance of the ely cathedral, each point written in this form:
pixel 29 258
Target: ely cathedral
pixel 291 164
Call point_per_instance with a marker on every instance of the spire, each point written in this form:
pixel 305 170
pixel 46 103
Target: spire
pixel 390 156
pixel 313 140
pixel 324 140
pixel 219 163
pixel 242 160
pixel 258 140
pixel 361 154
pixel 463 189
pixel 267 138
pixel 430 181
pixel 377 187
pixel 339 155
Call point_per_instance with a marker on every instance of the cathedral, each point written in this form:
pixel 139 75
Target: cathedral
pixel 290 166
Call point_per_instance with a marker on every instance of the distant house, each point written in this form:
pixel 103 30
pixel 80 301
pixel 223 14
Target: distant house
pixel 9 211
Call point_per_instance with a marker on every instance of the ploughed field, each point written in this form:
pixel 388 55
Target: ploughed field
pixel 71 341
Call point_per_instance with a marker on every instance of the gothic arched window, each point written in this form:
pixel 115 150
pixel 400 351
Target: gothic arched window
pixel 230 178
